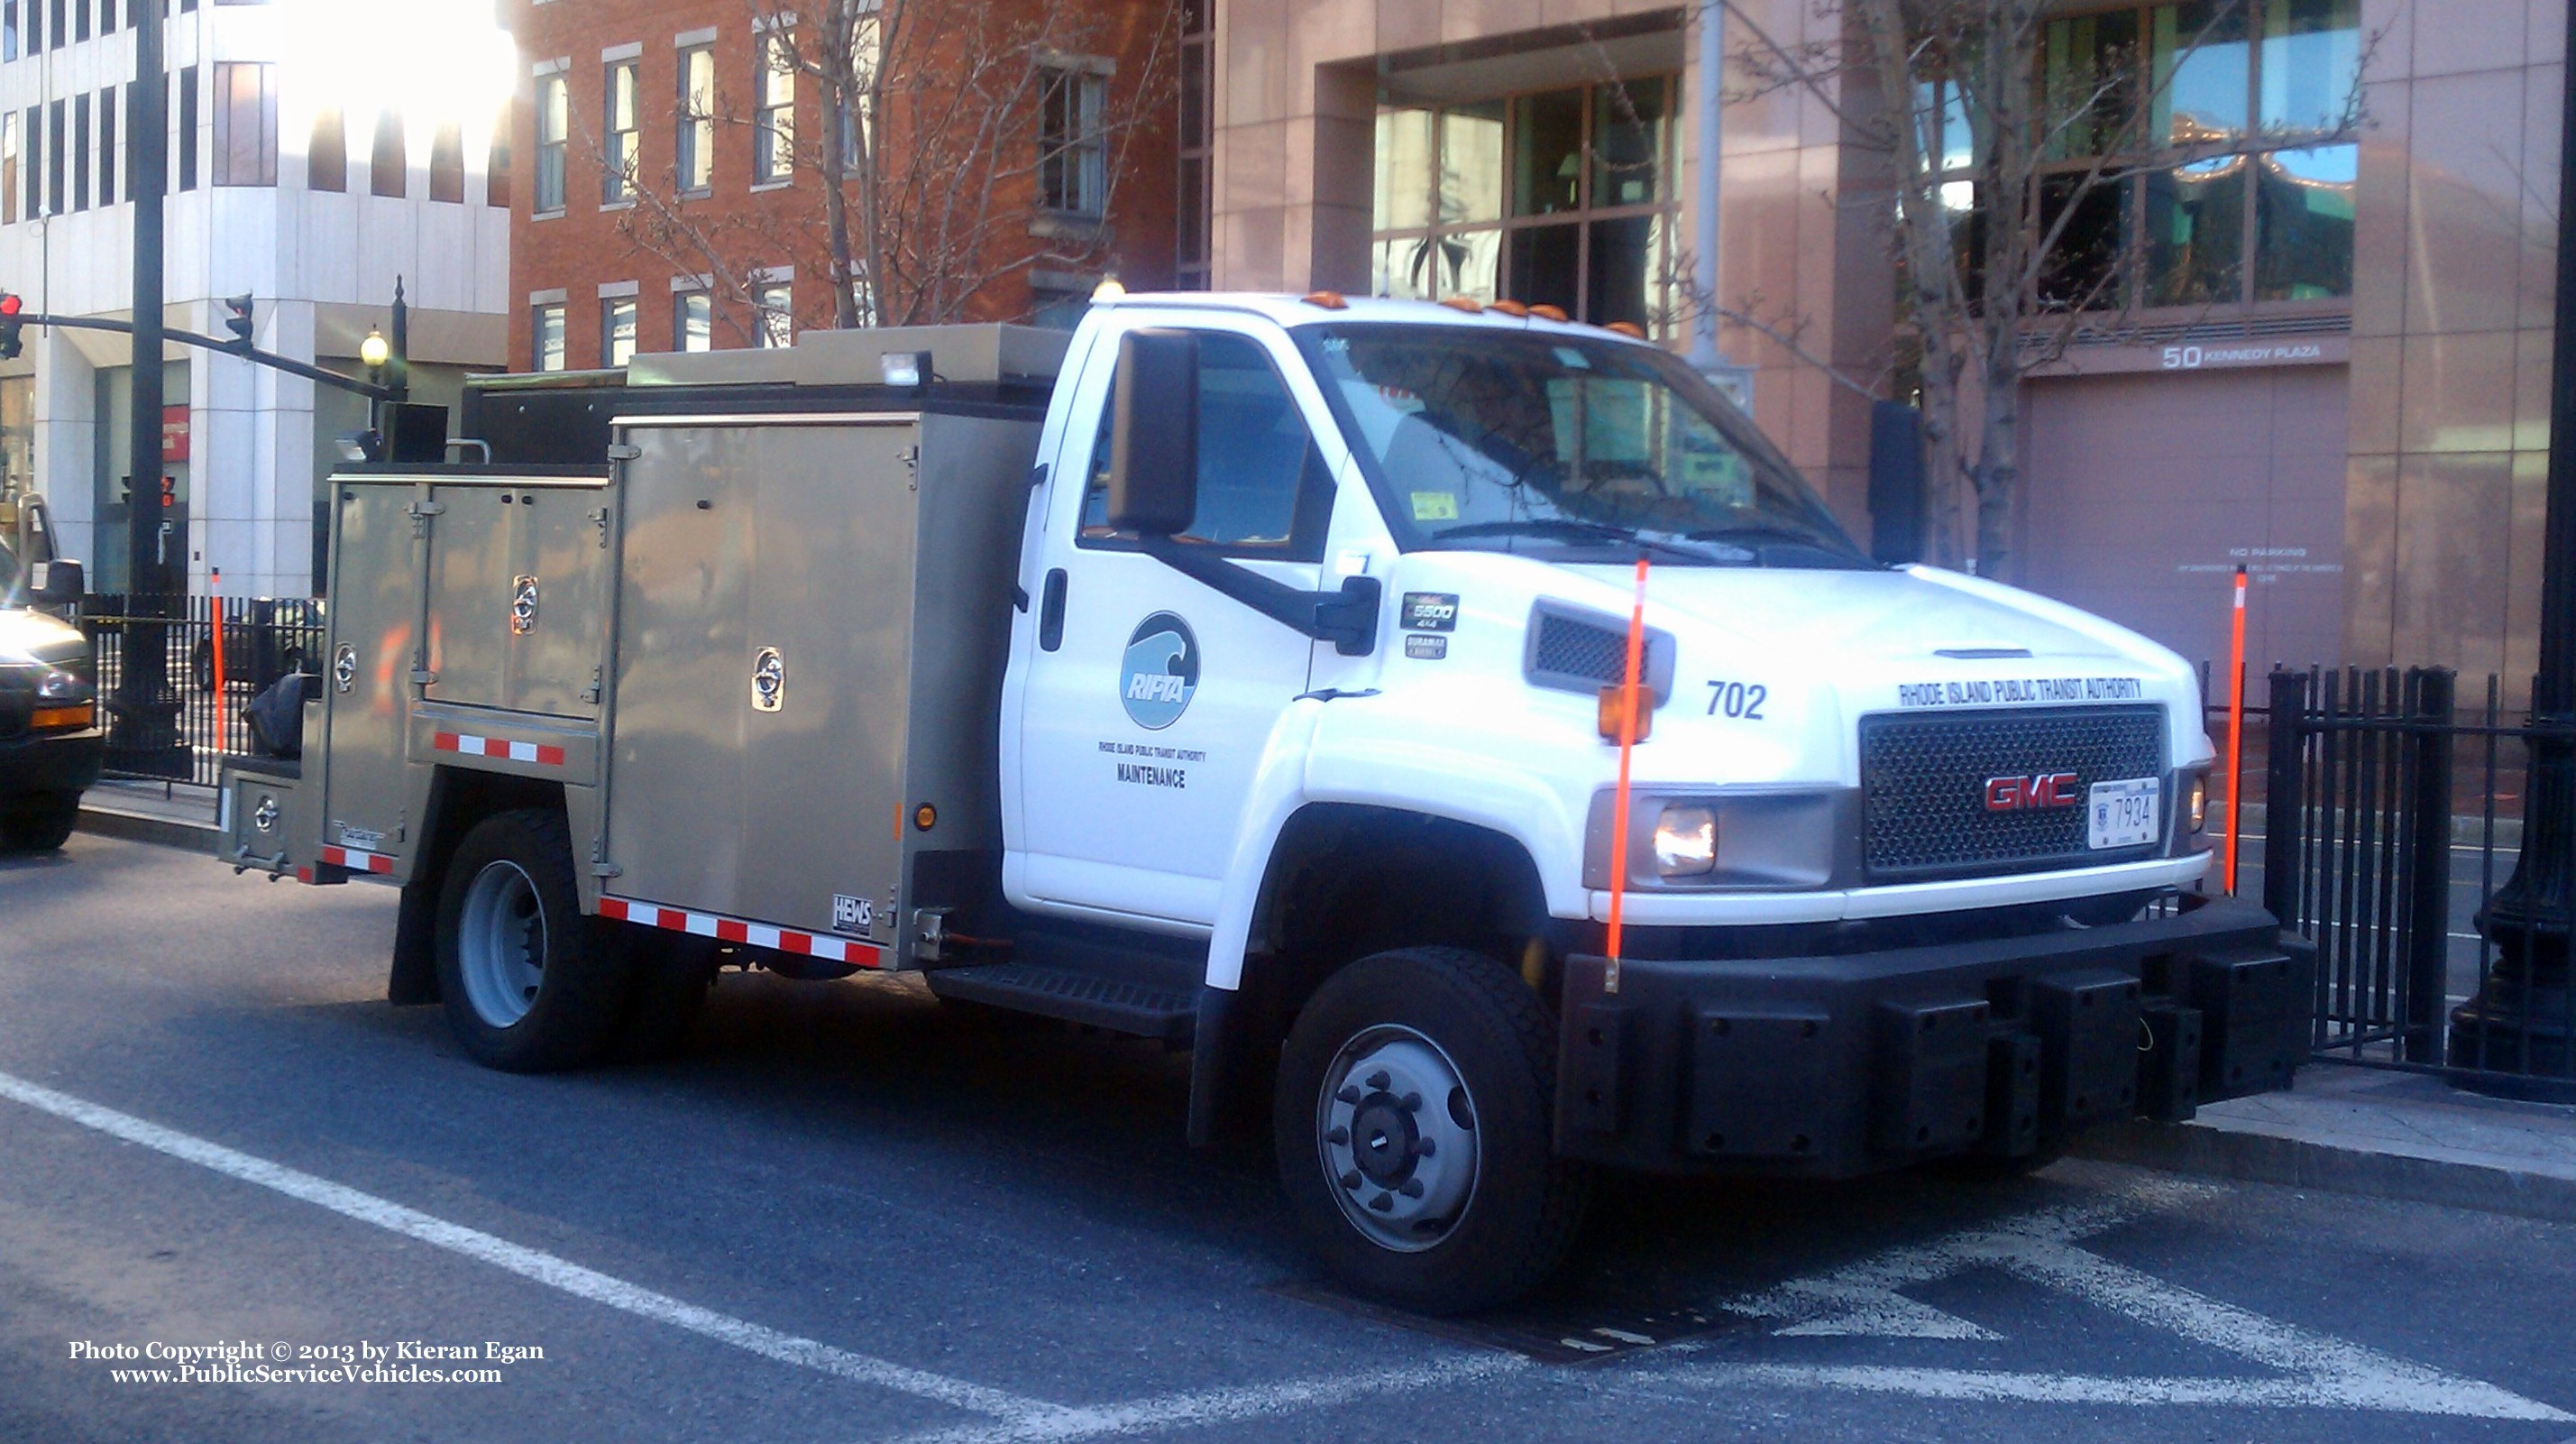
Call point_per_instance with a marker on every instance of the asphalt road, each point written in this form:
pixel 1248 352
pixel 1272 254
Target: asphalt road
pixel 851 1215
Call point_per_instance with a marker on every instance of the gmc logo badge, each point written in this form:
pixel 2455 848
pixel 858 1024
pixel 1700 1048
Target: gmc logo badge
pixel 2020 794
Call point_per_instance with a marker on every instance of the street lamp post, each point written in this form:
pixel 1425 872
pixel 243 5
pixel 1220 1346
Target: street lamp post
pixel 146 721
pixel 2522 1018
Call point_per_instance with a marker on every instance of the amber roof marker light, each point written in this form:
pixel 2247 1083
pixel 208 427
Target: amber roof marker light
pixel 1329 300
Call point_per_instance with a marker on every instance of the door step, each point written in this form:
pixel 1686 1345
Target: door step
pixel 1143 1009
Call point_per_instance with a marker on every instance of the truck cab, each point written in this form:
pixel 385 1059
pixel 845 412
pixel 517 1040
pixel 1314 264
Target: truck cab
pixel 50 742
pixel 1253 674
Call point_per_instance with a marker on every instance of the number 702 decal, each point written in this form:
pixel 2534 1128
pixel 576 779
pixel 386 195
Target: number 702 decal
pixel 1739 700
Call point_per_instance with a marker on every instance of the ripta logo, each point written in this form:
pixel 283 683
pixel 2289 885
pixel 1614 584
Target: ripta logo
pixel 2039 792
pixel 1160 672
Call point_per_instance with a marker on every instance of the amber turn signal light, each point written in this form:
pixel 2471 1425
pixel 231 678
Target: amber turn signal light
pixel 1614 701
pixel 925 817
pixel 80 716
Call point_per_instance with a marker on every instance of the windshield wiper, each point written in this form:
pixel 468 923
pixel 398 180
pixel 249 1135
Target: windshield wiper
pixel 1571 529
pixel 1770 531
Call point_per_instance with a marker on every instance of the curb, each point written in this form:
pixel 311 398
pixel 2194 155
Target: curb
pixel 143 827
pixel 2204 1151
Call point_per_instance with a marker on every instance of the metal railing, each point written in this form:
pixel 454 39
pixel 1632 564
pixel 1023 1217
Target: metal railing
pixel 2391 821
pixel 264 639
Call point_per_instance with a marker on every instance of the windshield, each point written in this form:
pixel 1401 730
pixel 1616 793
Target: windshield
pixel 1533 442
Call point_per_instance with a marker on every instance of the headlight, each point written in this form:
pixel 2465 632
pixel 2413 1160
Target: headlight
pixel 2195 802
pixel 1686 841
pixel 60 686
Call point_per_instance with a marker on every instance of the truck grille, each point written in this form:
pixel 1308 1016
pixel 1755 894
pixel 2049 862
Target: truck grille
pixel 1924 778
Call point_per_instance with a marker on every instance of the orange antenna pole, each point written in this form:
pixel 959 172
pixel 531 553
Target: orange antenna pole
pixel 215 593
pixel 2235 733
pixel 1628 690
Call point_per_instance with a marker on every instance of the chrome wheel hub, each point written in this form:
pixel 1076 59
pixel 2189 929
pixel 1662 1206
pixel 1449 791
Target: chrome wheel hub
pixel 501 944
pixel 1396 1135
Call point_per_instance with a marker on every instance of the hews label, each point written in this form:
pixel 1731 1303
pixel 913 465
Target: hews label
pixel 1160 672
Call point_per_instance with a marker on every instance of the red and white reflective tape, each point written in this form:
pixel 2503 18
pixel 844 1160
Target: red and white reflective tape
pixel 740 930
pixel 356 861
pixel 470 745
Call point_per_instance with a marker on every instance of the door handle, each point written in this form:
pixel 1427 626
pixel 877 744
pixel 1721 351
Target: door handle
pixel 1051 612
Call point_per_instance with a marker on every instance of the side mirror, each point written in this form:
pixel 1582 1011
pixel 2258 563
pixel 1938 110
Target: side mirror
pixel 1154 434
pixel 35 530
pixel 56 584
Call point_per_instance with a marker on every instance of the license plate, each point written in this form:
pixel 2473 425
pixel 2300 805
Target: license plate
pixel 2123 814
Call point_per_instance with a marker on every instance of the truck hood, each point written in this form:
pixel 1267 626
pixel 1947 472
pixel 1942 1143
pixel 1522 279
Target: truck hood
pixel 27 636
pixel 1919 614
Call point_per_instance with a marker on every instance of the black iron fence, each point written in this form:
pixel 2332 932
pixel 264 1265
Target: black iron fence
pixel 191 726
pixel 2393 817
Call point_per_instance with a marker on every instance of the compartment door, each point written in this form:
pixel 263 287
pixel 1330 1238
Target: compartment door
pixel 366 670
pixel 763 621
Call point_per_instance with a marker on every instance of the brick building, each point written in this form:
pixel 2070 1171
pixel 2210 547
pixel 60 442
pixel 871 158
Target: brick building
pixel 675 200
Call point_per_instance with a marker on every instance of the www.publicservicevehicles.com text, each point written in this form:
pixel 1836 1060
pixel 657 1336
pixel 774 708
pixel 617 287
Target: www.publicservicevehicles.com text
pixel 401 1361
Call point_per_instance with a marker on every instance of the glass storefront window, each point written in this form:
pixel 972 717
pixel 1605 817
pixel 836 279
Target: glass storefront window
pixel 2195 233
pixel 2200 73
pixel 1563 198
pixel 1403 169
pixel 17 436
pixel 2303 223
pixel 1471 163
pixel 2088 70
pixel 1547 176
pixel 2083 267
pixel 1630 133
pixel 2311 56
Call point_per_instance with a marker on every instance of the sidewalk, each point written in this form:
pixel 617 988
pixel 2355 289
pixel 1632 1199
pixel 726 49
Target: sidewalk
pixel 173 814
pixel 2386 1134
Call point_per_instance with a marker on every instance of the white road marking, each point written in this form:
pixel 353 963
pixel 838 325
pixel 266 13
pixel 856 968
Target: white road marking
pixel 2313 1370
pixel 528 1263
pixel 1228 1406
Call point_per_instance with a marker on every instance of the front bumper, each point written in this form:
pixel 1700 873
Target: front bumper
pixel 1831 1067
pixel 51 761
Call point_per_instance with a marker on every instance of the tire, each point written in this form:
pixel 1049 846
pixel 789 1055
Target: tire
pixel 38 821
pixel 672 975
pixel 1402 1223
pixel 529 984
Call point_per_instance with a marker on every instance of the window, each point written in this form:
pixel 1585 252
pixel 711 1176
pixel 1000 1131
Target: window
pixel 9 168
pixel 777 303
pixel 132 102
pixel 55 32
pixel 80 20
pixel 1073 177
pixel 81 152
pixel 697 119
pixel 326 156
pixel 546 337
pixel 616 330
pixel 107 152
pixel 496 172
pixel 857 130
pixel 693 319
pixel 35 170
pixel 389 167
pixel 1263 487
pixel 554 126
pixel 1192 207
pixel 1562 198
pixel 447 162
pixel 9 30
pixel 773 134
pixel 54 154
pixel 245 125
pixel 187 158
pixel 618 147
pixel 2217 126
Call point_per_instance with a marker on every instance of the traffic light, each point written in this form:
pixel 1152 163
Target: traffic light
pixel 237 319
pixel 10 306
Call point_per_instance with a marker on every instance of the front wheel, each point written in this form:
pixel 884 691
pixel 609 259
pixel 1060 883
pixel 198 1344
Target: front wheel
pixel 38 822
pixel 1412 1128
pixel 529 984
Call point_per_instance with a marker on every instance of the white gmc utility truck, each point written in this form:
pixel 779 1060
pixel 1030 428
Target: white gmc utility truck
pixel 1231 673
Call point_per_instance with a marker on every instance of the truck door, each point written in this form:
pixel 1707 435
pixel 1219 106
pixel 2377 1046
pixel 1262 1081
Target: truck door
pixel 1146 699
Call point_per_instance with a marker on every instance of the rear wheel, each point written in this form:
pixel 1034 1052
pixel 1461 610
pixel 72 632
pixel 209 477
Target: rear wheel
pixel 529 984
pixel 38 821
pixel 1412 1128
